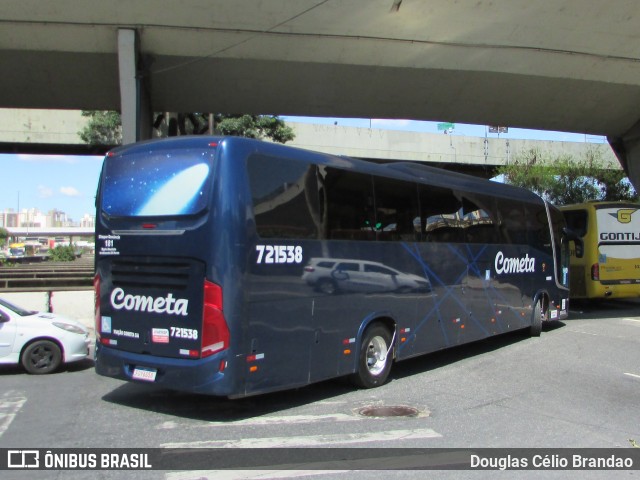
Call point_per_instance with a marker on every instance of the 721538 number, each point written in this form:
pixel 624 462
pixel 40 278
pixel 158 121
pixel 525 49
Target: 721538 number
pixel 279 254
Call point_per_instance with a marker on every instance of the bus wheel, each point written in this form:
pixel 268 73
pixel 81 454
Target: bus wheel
pixel 536 321
pixel 374 362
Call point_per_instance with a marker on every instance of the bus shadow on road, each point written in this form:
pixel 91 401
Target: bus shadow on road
pixel 221 409
pixel 217 409
pixel 449 356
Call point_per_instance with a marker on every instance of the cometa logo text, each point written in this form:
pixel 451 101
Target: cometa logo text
pixel 140 303
pixel 524 264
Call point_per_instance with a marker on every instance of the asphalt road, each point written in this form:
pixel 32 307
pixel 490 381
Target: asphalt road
pixel 578 385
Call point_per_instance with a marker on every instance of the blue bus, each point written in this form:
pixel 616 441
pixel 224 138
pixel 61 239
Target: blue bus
pixel 233 267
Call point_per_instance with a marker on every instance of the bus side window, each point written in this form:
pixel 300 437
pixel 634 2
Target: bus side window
pixel 478 219
pixel 396 208
pixel 349 203
pixel 439 210
pixel 513 227
pixel 285 197
pixel 577 222
pixel 537 225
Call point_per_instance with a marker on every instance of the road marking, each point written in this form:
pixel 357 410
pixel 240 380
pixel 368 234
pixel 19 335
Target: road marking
pixel 10 404
pixel 632 375
pixel 311 440
pixel 297 470
pixel 586 333
pixel 266 421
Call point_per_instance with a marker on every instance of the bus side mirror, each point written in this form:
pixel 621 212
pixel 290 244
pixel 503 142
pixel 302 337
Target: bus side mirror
pixel 577 241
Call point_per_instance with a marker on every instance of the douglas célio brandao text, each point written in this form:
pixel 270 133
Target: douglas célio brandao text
pixel 551 461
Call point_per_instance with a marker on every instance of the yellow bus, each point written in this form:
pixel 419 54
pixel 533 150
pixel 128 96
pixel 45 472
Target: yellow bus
pixel 16 249
pixel 605 261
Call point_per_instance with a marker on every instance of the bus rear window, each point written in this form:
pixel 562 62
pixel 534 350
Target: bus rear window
pixel 163 183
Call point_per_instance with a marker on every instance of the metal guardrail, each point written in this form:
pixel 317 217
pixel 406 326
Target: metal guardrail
pixel 48 276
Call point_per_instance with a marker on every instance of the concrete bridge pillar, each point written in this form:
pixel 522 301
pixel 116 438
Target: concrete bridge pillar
pixel 627 149
pixel 135 103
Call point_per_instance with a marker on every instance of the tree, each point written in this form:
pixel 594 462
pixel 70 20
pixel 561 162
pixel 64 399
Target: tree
pixel 563 180
pixel 104 128
pixel 254 126
pixel 62 254
pixel 4 234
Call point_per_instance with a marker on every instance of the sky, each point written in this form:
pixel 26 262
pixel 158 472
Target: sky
pixel 68 183
pixel 64 182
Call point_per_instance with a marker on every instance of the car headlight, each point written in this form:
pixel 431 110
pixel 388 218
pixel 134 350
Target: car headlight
pixel 70 328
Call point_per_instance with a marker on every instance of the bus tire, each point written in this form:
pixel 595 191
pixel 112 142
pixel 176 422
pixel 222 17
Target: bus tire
pixel 536 320
pixel 375 359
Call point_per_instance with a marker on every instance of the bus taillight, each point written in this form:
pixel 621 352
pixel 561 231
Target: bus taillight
pixel 97 317
pixel 215 333
pixel 595 271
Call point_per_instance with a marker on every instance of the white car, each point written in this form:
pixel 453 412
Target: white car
pixel 41 342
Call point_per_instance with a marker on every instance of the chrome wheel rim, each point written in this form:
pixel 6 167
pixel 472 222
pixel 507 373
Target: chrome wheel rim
pixel 376 355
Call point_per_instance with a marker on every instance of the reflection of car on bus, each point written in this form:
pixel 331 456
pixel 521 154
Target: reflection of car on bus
pixel 332 275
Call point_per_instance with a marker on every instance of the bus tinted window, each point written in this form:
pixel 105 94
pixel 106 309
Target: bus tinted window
pixel 285 197
pixel 349 204
pixel 577 221
pixel 439 209
pixel 513 223
pixel 396 205
pixel 477 215
pixel 166 183
pixel 537 224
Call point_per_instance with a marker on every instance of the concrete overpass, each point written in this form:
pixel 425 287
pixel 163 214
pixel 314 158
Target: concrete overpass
pixel 570 65
pixel 57 131
pixel 477 155
pixel 72 232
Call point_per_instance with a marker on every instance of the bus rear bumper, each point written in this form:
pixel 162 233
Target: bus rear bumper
pixel 204 376
pixel 618 289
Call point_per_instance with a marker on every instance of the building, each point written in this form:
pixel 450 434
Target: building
pixel 34 218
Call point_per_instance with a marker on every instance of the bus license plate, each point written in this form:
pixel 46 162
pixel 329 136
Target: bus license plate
pixel 146 374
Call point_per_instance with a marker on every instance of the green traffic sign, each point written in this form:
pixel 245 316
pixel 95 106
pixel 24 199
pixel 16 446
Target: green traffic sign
pixel 446 126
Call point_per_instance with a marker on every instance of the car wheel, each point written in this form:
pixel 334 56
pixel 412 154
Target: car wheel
pixel 327 286
pixel 42 356
pixel 374 362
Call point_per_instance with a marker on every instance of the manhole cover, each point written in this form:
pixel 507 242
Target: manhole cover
pixel 389 411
